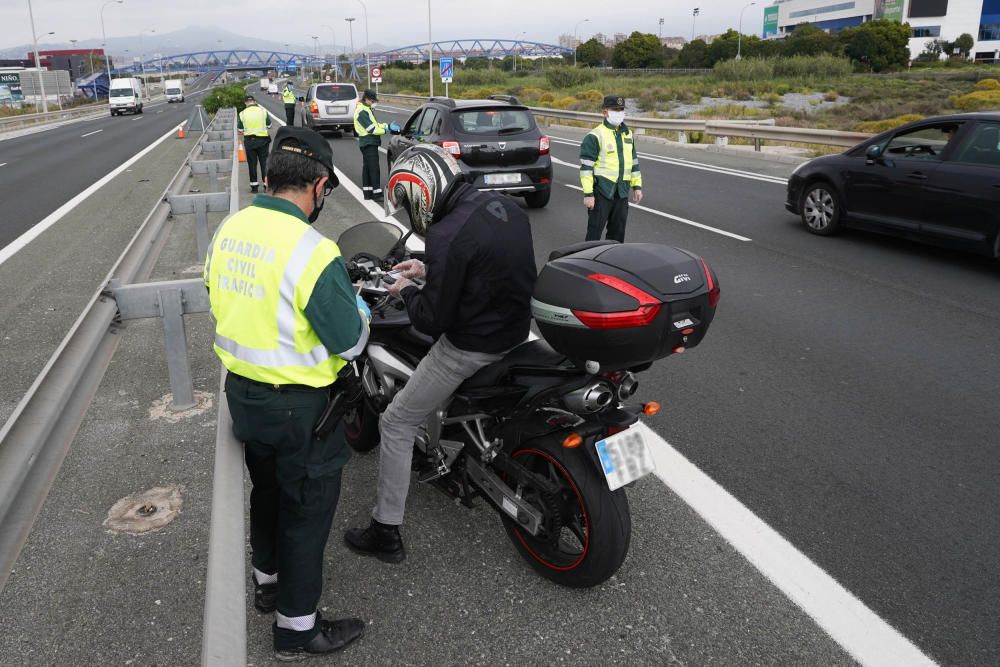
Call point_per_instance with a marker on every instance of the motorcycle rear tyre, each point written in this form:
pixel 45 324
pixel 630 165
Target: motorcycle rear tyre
pixel 609 522
pixel 361 428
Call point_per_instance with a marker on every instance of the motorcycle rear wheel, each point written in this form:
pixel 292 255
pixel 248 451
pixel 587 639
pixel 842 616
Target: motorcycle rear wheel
pixel 590 525
pixel 361 427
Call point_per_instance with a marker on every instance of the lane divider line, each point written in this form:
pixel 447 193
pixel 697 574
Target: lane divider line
pixel 680 162
pixel 677 218
pixel 3 164
pixel 30 235
pixel 91 133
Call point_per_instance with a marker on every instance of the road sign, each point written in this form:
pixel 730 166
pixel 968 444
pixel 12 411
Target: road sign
pixel 376 75
pixel 13 82
pixel 447 69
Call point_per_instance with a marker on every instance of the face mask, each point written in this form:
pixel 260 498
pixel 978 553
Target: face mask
pixel 318 203
pixel 616 118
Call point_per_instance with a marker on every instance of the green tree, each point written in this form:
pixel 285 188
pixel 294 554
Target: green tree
pixel 592 53
pixel 694 55
pixel 477 63
pixel 723 47
pixel 808 40
pixel 878 45
pixel 964 44
pixel 932 51
pixel 638 51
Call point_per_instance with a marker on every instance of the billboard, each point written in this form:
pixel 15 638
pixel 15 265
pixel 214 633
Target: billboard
pixel 12 81
pixel 890 10
pixel 928 8
pixel 771 21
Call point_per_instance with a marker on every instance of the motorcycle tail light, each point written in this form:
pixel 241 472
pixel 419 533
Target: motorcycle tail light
pixel 651 408
pixel 649 307
pixel 713 287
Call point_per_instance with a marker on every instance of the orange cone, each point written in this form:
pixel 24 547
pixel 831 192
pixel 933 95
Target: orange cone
pixel 180 132
pixel 243 154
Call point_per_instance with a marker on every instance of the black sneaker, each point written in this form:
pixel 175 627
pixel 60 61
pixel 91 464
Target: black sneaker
pixel 379 540
pixel 253 189
pixel 332 636
pixel 265 596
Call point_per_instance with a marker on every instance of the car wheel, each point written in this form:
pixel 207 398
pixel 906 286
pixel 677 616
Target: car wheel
pixel 821 209
pixel 538 199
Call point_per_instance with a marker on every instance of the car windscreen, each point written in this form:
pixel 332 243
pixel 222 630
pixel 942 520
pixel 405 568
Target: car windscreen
pixel 493 121
pixel 336 93
pixel 173 91
pixel 122 92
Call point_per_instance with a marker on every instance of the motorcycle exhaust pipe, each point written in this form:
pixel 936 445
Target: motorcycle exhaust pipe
pixel 592 398
pixel 627 388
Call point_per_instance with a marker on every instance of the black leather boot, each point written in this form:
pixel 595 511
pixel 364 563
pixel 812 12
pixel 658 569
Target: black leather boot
pixel 379 540
pixel 332 636
pixel 265 596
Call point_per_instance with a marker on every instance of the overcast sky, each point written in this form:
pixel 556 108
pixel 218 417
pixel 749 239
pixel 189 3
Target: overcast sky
pixel 393 22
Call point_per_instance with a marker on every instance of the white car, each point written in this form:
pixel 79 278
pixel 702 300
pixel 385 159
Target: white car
pixel 272 89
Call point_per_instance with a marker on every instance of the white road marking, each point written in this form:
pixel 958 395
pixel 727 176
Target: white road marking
pixel 861 632
pixel 90 133
pixel 678 162
pixel 54 217
pixel 138 118
pixel 3 164
pixel 676 218
pixel 160 111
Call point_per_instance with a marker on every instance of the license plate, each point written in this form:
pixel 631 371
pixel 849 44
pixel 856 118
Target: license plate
pixel 625 457
pixel 502 179
pixel 340 110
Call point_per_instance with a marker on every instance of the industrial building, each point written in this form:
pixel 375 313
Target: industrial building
pixel 929 19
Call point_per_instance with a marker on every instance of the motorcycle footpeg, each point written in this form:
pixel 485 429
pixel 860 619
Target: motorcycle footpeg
pixel 434 473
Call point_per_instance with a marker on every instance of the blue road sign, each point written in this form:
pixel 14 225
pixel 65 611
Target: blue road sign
pixel 447 69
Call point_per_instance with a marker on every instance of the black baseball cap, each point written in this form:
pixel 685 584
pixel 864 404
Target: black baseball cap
pixel 370 94
pixel 249 98
pixel 613 102
pixel 307 143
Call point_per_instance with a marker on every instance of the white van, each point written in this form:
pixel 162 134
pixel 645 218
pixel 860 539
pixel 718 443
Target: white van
pixel 265 81
pixel 126 95
pixel 174 90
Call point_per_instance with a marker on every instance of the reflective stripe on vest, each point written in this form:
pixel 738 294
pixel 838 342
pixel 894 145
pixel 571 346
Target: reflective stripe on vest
pixel 254 121
pixel 288 96
pixel 606 165
pixel 259 282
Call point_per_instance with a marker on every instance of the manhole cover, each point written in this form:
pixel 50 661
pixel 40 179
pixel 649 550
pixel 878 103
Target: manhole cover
pixel 146 511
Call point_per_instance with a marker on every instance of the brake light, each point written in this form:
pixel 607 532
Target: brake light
pixel 713 287
pixel 543 145
pixel 452 147
pixel 649 307
pixel 314 108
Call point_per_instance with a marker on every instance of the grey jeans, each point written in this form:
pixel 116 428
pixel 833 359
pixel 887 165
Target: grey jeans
pixel 435 379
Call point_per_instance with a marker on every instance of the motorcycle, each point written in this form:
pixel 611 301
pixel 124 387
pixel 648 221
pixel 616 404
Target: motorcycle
pixel 549 439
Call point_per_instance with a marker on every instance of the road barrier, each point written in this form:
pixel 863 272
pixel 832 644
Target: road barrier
pixel 759 131
pixel 31 119
pixel 36 438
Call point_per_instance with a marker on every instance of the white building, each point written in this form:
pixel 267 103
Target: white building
pixel 930 19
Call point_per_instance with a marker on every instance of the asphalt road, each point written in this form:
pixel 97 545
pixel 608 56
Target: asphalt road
pixel 846 393
pixel 42 171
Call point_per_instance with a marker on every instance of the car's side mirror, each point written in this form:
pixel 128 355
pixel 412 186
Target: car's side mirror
pixel 873 154
pixel 302 99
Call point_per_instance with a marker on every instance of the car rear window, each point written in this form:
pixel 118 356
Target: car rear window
pixel 336 93
pixel 493 121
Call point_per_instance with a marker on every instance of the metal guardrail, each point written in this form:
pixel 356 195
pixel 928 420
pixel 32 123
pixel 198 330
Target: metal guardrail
pixel 759 131
pixel 29 119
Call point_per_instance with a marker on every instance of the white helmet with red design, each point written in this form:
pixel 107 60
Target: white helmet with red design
pixel 421 180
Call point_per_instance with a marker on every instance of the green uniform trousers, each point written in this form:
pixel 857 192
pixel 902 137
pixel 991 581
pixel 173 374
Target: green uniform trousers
pixel 610 212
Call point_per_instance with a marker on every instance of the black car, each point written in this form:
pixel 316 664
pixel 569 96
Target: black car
pixel 495 140
pixel 935 180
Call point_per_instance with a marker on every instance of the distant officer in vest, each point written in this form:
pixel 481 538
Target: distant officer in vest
pixel 287 321
pixel 369 133
pixel 609 168
pixel 288 97
pixel 253 123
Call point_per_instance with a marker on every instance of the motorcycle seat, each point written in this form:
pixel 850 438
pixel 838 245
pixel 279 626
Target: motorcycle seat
pixel 532 353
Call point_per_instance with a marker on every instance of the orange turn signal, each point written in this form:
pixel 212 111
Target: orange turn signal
pixel 651 408
pixel 572 441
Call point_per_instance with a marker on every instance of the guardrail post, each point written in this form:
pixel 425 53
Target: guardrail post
pixel 200 204
pixel 682 137
pixel 175 339
pixel 757 143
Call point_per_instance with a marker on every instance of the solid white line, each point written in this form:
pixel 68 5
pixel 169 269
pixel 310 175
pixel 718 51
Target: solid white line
pixel 676 218
pixel 678 162
pixel 3 164
pixel 861 632
pixel 90 133
pixel 138 118
pixel 54 217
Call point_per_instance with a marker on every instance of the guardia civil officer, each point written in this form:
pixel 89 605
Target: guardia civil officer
pixel 369 133
pixel 609 168
pixel 286 322
pixel 288 97
pixel 253 123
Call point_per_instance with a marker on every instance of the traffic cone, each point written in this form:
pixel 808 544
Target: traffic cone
pixel 180 132
pixel 243 154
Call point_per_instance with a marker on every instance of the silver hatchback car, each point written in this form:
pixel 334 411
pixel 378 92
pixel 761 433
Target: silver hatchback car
pixel 330 106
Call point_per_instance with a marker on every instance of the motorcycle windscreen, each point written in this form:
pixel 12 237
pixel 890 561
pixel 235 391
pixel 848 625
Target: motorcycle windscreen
pixel 373 238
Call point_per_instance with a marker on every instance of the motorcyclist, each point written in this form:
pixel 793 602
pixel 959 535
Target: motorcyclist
pixel 480 273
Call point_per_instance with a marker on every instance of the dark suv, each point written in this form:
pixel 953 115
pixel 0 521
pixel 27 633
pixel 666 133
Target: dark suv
pixel 496 141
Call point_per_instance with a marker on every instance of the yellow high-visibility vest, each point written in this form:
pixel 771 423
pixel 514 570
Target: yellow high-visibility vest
pixel 607 165
pixel 375 127
pixel 288 96
pixel 261 270
pixel 254 119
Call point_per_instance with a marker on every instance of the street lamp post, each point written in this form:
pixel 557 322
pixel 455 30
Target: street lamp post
pixel 576 39
pixel 739 40
pixel 38 65
pixel 694 13
pixel 350 30
pixel 55 70
pixel 104 44
pixel 430 51
pixel 368 62
pixel 142 62
pixel 315 39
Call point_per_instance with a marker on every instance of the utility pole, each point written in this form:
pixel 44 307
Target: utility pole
pixel 661 28
pixel 576 39
pixel 368 62
pixel 350 30
pixel 739 40
pixel 38 65
pixel 430 51
pixel 104 45
pixel 694 13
